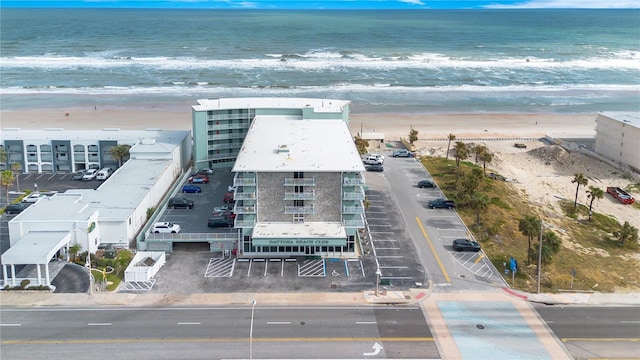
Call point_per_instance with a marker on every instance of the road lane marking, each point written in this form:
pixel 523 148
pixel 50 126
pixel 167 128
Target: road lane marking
pixel 601 339
pixel 10 325
pixel 278 322
pixel 433 250
pixel 366 322
pixel 189 323
pixel 99 324
pixel 630 321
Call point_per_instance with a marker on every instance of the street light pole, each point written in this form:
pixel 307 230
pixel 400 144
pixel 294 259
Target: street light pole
pixel 540 257
pixel 253 308
pixel 378 273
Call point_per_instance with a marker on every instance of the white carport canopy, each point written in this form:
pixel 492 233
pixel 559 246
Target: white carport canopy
pixel 35 248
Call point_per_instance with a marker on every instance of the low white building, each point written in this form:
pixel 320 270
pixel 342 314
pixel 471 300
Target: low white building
pixel 618 138
pixel 113 213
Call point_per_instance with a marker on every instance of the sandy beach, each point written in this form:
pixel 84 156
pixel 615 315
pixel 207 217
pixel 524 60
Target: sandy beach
pixel 543 177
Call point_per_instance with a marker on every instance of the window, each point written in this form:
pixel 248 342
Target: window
pixel 298 218
pixel 45 148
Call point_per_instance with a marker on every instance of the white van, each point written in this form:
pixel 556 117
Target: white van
pixel 104 173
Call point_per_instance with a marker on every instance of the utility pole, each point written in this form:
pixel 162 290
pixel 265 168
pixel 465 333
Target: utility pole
pixel 540 257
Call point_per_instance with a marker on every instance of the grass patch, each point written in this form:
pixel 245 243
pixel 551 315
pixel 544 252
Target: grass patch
pixel 590 248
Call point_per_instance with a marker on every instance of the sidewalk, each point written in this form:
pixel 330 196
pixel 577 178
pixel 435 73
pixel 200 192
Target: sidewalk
pixel 577 298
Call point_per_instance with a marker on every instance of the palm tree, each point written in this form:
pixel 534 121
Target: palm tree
pixel 486 157
pixel 451 138
pixel 119 152
pixel 626 232
pixel 6 179
pixel 74 250
pixel 529 226
pixel 594 193
pixel 479 203
pixel 462 153
pixel 578 179
pixel 478 151
pixel 16 168
pixel 413 136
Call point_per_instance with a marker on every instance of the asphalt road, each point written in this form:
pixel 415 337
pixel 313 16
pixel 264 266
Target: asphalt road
pixel 595 332
pixel 216 333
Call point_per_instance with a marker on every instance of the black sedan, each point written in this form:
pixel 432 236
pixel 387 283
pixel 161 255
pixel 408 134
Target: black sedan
pixel 377 168
pixel 426 184
pixel 466 245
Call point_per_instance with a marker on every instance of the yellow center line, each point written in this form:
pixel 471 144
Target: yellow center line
pixel 479 258
pixel 433 250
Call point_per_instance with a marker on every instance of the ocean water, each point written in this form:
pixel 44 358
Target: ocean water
pixel 558 61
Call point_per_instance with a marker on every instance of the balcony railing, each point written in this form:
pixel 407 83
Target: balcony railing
pixel 221 146
pixel 245 209
pixel 244 195
pixel 353 195
pixel 299 182
pixel 227 126
pixel 353 181
pixel 244 181
pixel 352 210
pixel 308 209
pixel 226 136
pixel 307 195
pixel 358 223
pixel 244 223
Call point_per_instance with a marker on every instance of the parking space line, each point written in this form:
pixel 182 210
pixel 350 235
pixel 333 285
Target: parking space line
pixel 390 257
pixel 433 250
pixel 384 240
pixel 394 267
pixel 391 248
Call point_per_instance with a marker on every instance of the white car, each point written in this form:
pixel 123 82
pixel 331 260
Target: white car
pixel 231 188
pixel 90 174
pixel 165 227
pixel 33 197
pixel 373 160
pixel 381 157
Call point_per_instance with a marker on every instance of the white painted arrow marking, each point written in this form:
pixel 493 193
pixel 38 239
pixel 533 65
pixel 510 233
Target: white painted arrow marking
pixel 376 350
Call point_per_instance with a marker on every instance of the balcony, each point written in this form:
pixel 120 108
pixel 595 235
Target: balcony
pixel 353 195
pixel 244 180
pixel 352 181
pixel 308 209
pixel 299 182
pixel 226 136
pixel 249 209
pixel 240 223
pixel 352 210
pixel 354 223
pixel 227 126
pixel 251 195
pixel 307 195
pixel 221 146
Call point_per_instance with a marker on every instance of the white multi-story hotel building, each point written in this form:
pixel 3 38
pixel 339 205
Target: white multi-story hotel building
pixel 298 175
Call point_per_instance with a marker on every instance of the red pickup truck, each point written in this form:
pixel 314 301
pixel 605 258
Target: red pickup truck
pixel 620 194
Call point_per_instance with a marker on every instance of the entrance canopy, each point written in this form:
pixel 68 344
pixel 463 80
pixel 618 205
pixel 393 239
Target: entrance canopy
pixel 299 234
pixel 36 248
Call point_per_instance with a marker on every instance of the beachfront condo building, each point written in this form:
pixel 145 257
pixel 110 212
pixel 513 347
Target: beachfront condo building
pixel 298 177
pixel 618 138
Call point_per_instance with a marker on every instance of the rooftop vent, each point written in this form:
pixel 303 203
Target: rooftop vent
pixel 283 149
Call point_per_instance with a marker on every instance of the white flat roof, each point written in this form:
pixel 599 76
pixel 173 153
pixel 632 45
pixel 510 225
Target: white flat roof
pixel 286 144
pixel 36 248
pixel 59 207
pixel 299 230
pixel 122 136
pixel 320 105
pixel 628 118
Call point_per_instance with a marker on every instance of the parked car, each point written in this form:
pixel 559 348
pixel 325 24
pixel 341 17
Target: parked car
pixel 204 172
pixel 33 197
pixel 104 173
pixel 180 203
pixel 90 174
pixel 373 160
pixel 198 179
pixel 14 208
pixel 191 189
pixel 465 245
pixel 377 168
pixel 228 198
pixel 497 177
pixel 402 153
pixel 442 204
pixel 622 196
pixel 79 174
pixel 520 145
pixel 231 188
pixel 165 227
pixel 426 184
pixel 222 208
pixel 220 221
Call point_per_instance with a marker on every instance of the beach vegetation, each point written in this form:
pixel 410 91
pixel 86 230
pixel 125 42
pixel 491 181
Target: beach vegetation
pixel 119 153
pixel 3 155
pixel 413 136
pixel 6 179
pixel 461 154
pixel 578 179
pixel 529 226
pixel 589 249
pixel 595 193
pixel 361 145
pixel 626 233
pixel 451 137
